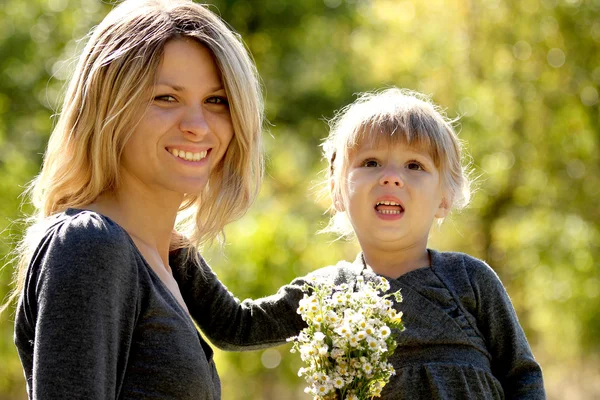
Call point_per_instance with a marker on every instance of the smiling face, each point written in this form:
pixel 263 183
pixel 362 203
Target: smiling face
pixel 184 133
pixel 393 194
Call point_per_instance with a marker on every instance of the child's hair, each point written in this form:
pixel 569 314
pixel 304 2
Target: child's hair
pixel 393 116
pixel 113 78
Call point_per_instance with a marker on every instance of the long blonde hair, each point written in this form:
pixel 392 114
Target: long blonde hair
pixel 115 71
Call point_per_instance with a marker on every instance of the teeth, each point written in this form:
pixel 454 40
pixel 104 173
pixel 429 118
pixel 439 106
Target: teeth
pixel 387 203
pixel 188 155
pixel 389 211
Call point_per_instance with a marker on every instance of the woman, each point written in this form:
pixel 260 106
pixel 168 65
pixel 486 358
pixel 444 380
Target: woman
pixel 160 125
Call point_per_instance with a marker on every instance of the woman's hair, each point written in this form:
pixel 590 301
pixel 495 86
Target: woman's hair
pixel 114 76
pixel 393 116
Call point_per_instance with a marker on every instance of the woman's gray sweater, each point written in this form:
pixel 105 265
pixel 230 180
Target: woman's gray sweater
pixel 96 322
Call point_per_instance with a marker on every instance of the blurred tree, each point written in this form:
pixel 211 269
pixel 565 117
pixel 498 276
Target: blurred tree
pixel 37 42
pixel 524 77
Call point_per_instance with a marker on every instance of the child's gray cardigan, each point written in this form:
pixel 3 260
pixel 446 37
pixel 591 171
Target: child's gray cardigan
pixel 462 339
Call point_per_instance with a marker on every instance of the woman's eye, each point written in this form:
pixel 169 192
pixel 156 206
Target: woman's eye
pixel 218 100
pixel 415 165
pixel 370 163
pixel 166 98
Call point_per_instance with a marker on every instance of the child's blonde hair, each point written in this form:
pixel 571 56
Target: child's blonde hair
pixel 394 116
pixel 114 76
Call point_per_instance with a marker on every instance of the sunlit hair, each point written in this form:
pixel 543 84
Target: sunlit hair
pixel 393 116
pixel 113 78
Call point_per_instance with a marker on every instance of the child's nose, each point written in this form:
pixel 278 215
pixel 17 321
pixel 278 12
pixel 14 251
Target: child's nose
pixel 390 177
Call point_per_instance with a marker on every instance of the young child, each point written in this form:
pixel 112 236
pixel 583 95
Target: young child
pixel 395 168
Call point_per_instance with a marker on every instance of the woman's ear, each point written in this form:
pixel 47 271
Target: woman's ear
pixel 336 197
pixel 444 208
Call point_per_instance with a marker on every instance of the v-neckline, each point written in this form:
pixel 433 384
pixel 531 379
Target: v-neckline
pixel 146 264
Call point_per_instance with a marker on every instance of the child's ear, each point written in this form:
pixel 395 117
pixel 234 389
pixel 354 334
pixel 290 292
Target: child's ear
pixel 444 208
pixel 338 204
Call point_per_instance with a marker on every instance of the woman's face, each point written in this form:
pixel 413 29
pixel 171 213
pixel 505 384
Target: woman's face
pixel 185 131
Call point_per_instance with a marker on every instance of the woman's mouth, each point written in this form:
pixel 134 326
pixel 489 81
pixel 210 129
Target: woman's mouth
pixel 188 155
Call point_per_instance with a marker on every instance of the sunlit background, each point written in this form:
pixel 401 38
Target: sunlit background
pixel 523 74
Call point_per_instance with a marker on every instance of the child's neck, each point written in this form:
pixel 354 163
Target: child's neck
pixel 393 264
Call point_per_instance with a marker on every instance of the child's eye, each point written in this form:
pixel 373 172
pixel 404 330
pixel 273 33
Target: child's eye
pixel 415 165
pixel 371 163
pixel 218 100
pixel 166 98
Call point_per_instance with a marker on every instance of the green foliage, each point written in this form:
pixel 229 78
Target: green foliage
pixel 523 74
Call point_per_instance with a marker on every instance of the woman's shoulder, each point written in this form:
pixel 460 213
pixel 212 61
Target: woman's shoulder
pixel 81 227
pixel 75 236
pixel 81 248
pixel 81 260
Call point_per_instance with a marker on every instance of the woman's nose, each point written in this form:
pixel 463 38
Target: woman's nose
pixel 194 125
pixel 392 178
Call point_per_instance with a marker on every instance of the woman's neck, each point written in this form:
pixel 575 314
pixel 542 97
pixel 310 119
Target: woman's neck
pixel 146 220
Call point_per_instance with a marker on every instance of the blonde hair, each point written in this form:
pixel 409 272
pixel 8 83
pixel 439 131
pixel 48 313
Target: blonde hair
pixel 395 116
pixel 114 75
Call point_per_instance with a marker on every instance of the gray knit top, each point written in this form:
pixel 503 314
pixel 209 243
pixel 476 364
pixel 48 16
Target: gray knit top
pixel 462 339
pixel 95 321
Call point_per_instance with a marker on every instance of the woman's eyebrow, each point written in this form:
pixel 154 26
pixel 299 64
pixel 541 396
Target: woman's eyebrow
pixel 173 86
pixel 179 88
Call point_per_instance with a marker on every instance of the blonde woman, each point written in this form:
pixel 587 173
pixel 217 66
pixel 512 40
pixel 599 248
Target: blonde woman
pixel 160 125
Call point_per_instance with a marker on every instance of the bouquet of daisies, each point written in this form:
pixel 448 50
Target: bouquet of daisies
pixel 348 339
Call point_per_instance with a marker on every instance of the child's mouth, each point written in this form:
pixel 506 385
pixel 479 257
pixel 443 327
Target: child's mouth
pixel 388 207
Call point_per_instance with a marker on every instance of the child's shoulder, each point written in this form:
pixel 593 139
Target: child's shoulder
pixel 456 259
pixel 456 264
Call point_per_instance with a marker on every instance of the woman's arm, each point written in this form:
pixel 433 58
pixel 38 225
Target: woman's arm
pixel 76 316
pixel 229 323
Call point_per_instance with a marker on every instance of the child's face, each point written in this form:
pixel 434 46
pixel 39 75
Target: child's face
pixel 394 193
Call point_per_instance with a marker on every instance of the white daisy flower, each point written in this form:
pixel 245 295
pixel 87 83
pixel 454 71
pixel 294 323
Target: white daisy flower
pixel 345 345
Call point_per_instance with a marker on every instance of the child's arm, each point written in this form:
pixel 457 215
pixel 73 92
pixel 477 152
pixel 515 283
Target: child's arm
pixel 512 359
pixel 231 324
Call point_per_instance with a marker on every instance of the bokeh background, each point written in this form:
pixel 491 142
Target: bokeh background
pixel 523 74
